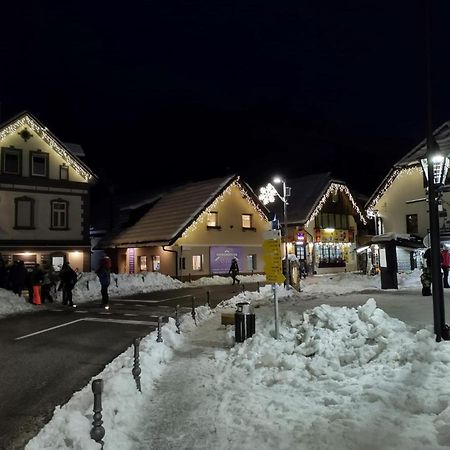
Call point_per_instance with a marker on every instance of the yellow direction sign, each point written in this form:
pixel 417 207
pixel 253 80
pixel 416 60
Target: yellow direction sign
pixel 272 261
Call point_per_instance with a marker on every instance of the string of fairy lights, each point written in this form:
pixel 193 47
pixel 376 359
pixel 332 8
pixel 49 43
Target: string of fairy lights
pixel 399 172
pixel 333 189
pixel 42 132
pixel 219 199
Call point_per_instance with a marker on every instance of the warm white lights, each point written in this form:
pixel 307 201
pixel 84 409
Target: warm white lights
pixel 333 190
pixel 42 132
pixel 370 210
pixel 214 206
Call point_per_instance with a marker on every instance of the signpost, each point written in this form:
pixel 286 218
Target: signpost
pixel 273 266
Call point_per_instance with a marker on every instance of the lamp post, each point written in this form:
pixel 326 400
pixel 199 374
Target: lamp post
pixel 435 167
pixel 268 195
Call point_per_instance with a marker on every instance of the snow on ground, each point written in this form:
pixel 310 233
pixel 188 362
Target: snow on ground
pixel 337 378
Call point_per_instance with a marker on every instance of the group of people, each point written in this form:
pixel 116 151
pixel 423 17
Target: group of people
pixel 43 283
pixel 426 276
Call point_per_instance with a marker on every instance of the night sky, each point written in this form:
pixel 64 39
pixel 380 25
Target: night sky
pixel 249 87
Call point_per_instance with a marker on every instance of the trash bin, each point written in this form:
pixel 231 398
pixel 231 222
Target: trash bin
pixel 244 321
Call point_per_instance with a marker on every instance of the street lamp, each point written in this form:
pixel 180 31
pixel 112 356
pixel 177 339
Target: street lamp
pixel 435 167
pixel 268 195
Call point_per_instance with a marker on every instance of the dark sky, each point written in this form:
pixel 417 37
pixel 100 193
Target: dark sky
pixel 249 87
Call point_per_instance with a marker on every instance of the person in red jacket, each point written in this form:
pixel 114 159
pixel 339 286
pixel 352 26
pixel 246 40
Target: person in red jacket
pixel 445 264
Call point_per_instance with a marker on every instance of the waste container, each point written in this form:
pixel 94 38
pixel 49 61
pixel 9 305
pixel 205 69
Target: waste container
pixel 244 321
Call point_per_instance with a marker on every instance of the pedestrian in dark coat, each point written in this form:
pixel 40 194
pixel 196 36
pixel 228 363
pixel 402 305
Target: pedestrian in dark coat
pixel 18 277
pixel 68 279
pixel 104 276
pixel 3 272
pixel 234 271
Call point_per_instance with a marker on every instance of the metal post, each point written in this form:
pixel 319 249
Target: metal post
pixel 116 280
pixel 243 287
pixel 87 284
pixel 97 430
pixel 136 368
pixel 257 286
pixel 159 338
pixel 275 302
pixel 207 299
pixel 193 311
pixel 440 328
pixel 177 319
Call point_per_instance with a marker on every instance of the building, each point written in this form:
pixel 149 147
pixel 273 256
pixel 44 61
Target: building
pixel 44 196
pixel 398 206
pixel 323 221
pixel 191 231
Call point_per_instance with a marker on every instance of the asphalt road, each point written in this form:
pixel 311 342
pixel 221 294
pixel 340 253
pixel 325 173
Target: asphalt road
pixel 48 355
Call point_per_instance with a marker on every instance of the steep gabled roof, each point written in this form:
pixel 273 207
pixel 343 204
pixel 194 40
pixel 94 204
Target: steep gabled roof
pixel 174 212
pixel 28 120
pixel 411 161
pixel 307 195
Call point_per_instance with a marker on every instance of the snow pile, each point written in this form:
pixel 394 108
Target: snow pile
pixel 217 279
pixel 11 303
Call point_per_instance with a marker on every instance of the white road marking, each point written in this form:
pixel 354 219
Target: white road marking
pixel 48 329
pixel 89 319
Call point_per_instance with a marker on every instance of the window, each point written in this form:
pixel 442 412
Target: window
pixel 330 220
pixel 246 221
pixel 251 263
pixel 63 172
pixel 57 262
pixel 24 217
pixel 197 262
pixel 59 220
pixel 38 164
pixel 11 161
pixel 412 224
pixel 213 219
pixel 182 264
pixel 143 263
pixel 156 263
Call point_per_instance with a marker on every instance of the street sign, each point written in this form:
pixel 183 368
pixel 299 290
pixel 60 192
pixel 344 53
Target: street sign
pixel 272 260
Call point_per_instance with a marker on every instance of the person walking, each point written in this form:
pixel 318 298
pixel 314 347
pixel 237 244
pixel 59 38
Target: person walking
pixel 104 276
pixel 68 279
pixel 445 264
pixel 47 285
pixel 234 271
pixel 425 277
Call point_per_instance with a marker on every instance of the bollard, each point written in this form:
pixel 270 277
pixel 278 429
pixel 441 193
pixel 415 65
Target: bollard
pixel 177 320
pixel 193 311
pixel 159 338
pixel 257 286
pixel 243 287
pixel 208 304
pixel 143 279
pixel 97 430
pixel 116 280
pixel 87 284
pixel 136 368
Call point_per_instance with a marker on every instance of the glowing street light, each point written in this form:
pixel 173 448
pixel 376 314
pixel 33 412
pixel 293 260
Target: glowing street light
pixel 269 194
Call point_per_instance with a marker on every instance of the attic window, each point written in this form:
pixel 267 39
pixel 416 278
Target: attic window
pixel 11 161
pixel 213 220
pixel 63 172
pixel 39 164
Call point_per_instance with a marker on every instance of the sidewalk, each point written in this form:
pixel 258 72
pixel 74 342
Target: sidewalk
pixel 337 378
